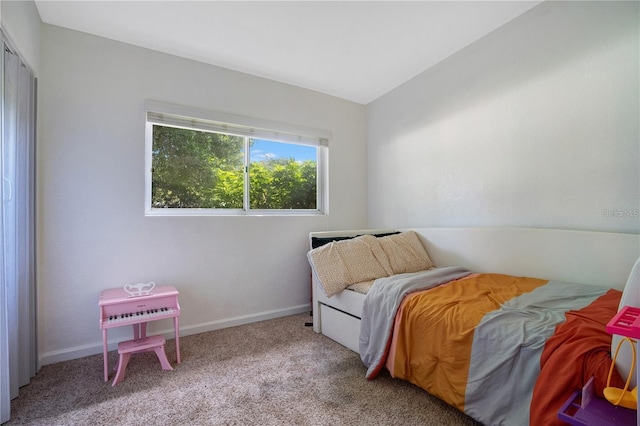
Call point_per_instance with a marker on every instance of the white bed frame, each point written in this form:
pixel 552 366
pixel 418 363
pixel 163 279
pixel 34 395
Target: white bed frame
pixel 584 257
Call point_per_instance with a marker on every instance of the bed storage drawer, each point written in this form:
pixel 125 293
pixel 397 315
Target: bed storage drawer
pixel 341 327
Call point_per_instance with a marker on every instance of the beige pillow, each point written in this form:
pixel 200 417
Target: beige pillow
pixel 329 268
pixel 339 264
pixel 365 259
pixel 405 253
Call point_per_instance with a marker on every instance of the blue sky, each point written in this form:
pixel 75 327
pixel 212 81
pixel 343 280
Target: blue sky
pixel 262 150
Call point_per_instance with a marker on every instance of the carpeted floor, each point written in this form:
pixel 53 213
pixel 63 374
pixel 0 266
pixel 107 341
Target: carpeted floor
pixel 275 372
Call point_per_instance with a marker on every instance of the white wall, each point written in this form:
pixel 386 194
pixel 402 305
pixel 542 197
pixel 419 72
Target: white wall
pixel 21 23
pixel 534 125
pixel 92 232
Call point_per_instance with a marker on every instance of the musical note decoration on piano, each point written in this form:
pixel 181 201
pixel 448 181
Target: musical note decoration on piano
pixel 139 289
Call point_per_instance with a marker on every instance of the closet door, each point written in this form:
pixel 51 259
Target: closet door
pixel 18 355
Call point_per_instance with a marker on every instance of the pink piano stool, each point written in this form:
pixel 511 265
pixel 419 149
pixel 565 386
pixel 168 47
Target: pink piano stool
pixel 147 344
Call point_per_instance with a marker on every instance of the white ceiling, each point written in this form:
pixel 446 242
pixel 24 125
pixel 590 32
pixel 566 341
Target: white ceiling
pixel 356 50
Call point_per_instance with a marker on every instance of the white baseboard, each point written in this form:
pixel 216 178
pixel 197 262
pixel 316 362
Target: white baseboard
pixel 75 352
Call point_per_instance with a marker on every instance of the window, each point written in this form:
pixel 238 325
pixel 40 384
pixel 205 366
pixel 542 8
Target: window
pixel 213 163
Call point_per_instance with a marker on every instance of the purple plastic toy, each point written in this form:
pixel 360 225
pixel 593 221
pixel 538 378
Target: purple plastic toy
pixel 598 412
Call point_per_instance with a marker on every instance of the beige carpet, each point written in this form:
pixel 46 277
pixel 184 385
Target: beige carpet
pixel 275 372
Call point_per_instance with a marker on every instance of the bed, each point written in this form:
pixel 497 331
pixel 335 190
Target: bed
pixel 501 323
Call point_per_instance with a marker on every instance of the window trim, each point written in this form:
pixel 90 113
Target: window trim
pixel 165 114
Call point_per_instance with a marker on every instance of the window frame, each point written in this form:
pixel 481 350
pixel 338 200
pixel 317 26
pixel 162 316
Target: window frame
pixel 170 115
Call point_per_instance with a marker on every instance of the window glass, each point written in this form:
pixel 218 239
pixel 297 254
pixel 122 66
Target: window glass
pixel 209 167
pixel 282 175
pixel 196 169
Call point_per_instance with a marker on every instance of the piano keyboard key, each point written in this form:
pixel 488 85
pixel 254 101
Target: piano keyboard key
pixel 139 315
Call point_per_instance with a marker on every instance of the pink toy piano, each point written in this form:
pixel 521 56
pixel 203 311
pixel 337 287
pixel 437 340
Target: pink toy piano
pixel 137 305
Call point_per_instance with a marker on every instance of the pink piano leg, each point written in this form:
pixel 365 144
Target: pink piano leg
pixel 104 355
pixel 139 331
pixel 176 328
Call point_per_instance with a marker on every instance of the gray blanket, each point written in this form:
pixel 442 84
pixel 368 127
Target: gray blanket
pixel 380 306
